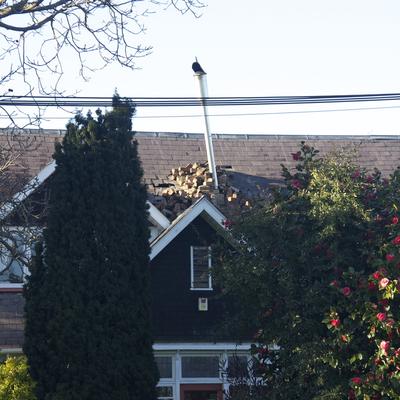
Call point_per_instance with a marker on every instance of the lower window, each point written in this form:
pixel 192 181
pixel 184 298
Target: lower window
pixel 165 393
pixel 200 367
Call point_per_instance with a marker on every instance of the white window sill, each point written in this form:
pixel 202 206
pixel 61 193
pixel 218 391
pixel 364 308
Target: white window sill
pixel 5 285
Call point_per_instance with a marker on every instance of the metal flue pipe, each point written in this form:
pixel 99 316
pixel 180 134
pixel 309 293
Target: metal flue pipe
pixel 201 77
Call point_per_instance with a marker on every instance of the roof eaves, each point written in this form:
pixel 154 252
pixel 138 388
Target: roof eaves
pixel 32 185
pixel 181 222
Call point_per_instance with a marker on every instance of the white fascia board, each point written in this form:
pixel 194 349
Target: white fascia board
pixel 157 217
pixel 223 346
pixel 11 350
pixel 177 226
pixel 34 183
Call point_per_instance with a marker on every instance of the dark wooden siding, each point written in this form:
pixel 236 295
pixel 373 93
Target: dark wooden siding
pixel 175 306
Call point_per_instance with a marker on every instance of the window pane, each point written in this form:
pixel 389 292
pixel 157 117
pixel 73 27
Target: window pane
pixel 164 366
pixel 200 367
pixel 11 269
pixel 201 268
pixel 164 392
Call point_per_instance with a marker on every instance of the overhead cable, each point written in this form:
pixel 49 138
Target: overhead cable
pixel 247 114
pixel 64 101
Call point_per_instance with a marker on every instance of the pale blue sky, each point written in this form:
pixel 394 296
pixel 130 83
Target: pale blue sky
pixel 266 48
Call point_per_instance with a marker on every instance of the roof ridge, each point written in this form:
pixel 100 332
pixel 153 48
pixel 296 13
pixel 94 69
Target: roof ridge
pixel 230 136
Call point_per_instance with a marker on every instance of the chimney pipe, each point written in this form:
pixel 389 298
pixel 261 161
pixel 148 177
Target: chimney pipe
pixel 201 77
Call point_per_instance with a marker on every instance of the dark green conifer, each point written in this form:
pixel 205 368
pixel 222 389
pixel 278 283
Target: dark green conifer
pixel 87 311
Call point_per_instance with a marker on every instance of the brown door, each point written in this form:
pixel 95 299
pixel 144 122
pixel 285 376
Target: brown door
pixel 201 392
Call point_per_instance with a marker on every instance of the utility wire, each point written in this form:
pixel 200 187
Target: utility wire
pixel 223 115
pixel 62 101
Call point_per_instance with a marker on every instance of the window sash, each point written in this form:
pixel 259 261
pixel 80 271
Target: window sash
pixel 164 365
pixel 200 366
pixel 200 268
pixel 165 392
pixel 13 272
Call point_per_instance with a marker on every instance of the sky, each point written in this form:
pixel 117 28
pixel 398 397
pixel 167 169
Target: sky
pixel 264 48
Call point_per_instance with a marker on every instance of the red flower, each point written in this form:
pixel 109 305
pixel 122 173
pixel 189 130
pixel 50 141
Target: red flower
pixel 397 352
pixel 334 283
pixel 346 291
pixel 389 257
pixel 384 302
pixel 395 220
pixel 335 323
pixel 384 346
pixel 351 395
pixel 296 156
pixel 396 240
pixel 356 380
pixel 297 184
pixel 383 283
pixel 344 338
pixel 371 286
pixel 227 223
pixel 381 316
pixel 376 275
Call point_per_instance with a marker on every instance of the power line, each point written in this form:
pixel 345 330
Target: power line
pixel 65 101
pixel 224 115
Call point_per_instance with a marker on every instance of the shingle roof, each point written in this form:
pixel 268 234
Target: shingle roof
pixel 250 156
pixel 254 155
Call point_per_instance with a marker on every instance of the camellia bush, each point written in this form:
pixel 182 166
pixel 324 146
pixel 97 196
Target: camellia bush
pixel 313 275
pixel 365 322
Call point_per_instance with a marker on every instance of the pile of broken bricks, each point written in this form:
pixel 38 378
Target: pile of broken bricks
pixel 188 183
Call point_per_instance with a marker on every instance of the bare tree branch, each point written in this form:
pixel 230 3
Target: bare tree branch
pixel 19 220
pixel 39 38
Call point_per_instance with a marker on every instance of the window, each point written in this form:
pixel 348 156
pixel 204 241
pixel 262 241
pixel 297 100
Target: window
pixel 164 365
pixel 15 253
pixel 200 367
pixel 165 393
pixel 200 267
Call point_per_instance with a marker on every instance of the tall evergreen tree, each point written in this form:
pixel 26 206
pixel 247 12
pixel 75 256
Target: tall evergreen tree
pixel 87 300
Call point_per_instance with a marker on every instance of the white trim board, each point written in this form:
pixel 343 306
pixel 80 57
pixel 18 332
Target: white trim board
pixel 222 346
pixel 203 205
pixel 34 183
pixel 173 347
pixel 155 216
pixel 11 350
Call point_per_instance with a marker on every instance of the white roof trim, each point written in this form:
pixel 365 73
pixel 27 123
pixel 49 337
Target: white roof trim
pixel 221 346
pixel 180 223
pixel 11 350
pixel 157 217
pixel 35 182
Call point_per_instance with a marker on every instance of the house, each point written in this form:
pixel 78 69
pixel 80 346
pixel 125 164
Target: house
pixel 188 348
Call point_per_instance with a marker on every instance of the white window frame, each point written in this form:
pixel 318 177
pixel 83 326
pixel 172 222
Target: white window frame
pixel 209 288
